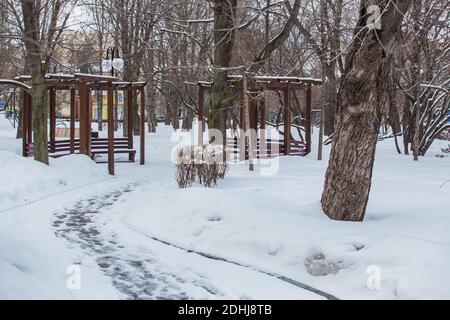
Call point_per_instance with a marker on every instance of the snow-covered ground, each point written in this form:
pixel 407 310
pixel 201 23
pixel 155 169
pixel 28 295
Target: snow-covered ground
pixel 267 226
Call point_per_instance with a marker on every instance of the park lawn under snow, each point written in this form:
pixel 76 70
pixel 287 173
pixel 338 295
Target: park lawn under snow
pixel 275 223
pixel 272 222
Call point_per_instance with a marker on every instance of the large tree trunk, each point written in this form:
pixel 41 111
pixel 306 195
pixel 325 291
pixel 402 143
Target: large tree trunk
pixel 40 136
pixel 224 13
pixel 349 173
pixel 38 69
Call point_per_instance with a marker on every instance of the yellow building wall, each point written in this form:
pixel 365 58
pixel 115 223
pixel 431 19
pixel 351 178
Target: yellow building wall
pixel 104 107
pixel 63 105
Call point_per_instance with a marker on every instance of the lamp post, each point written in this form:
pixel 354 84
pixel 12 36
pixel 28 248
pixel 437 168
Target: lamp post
pixel 112 61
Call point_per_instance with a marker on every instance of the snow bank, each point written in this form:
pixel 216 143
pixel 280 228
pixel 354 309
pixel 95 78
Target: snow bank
pixel 33 262
pixel 25 180
pixel 276 223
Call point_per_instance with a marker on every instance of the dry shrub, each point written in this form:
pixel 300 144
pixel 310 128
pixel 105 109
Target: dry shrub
pixel 204 164
pixel 186 169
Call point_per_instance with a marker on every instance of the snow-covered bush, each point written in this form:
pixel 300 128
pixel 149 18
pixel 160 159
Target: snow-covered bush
pixel 186 172
pixel 204 164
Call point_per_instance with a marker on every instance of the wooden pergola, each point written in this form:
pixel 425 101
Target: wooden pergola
pixel 83 84
pixel 258 84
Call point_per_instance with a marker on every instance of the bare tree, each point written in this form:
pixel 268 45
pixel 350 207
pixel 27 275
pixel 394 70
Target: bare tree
pixel 224 17
pixel 423 77
pixel 349 173
pixel 43 24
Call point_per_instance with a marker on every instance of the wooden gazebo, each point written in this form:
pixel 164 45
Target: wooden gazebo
pixel 83 84
pixel 258 84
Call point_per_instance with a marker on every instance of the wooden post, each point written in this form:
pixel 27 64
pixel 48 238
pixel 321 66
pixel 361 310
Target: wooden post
pixel 77 107
pixel 241 113
pixel 142 127
pixel 110 130
pixel 130 117
pixel 253 118
pixel 25 113
pixel 308 119
pixel 52 97
pixel 252 112
pixel 262 127
pixel 89 121
pixel 72 119
pixel 83 121
pixel 30 118
pixel 242 139
pixel 248 136
pixel 262 113
pixel 287 120
pixel 201 112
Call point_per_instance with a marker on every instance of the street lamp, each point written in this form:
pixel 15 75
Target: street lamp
pixel 113 61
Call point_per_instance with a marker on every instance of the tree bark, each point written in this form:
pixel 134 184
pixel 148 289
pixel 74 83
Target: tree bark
pixel 349 174
pixel 38 69
pixel 224 14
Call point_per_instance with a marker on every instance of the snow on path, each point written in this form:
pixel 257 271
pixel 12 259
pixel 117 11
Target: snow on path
pixel 148 269
pixel 129 271
pixel 34 263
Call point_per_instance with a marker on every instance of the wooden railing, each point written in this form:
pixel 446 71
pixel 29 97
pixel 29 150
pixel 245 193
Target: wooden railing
pixel 270 148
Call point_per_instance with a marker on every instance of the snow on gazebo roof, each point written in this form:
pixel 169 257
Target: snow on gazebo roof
pixel 270 82
pixel 90 80
pixel 270 79
pixel 15 83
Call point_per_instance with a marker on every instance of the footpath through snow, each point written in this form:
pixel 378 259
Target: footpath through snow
pixel 271 222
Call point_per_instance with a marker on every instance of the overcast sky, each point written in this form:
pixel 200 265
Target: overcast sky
pixel 77 17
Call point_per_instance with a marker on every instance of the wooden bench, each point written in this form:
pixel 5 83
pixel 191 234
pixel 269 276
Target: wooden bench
pixel 131 153
pixel 272 148
pixel 65 132
pixel 98 146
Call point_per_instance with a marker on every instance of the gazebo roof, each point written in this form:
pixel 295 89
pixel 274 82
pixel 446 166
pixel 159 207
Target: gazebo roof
pixel 98 82
pixel 270 82
pixel 15 83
